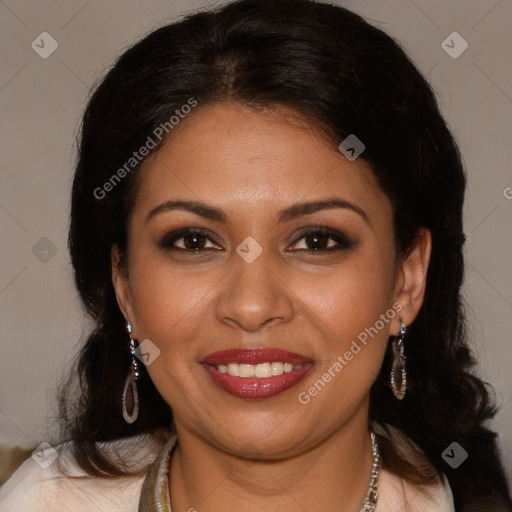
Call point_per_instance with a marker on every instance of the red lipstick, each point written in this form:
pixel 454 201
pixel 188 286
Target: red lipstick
pixel 255 356
pixel 256 387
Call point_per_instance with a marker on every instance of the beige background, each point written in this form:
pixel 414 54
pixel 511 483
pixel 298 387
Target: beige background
pixel 41 101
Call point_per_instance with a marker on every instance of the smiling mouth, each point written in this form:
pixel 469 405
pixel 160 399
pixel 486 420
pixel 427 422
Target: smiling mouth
pixel 256 374
pixel 260 370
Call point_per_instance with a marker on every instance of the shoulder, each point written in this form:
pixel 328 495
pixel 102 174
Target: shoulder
pixel 398 493
pixel 39 484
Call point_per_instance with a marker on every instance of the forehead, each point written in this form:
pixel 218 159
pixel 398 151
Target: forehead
pixel 248 161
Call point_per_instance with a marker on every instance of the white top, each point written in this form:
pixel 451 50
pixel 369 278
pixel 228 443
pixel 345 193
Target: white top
pixel 37 486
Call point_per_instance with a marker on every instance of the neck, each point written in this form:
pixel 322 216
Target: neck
pixel 332 475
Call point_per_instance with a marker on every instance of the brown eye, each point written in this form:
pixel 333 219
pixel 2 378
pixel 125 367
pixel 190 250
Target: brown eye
pixel 322 240
pixel 317 241
pixel 194 241
pixel 190 240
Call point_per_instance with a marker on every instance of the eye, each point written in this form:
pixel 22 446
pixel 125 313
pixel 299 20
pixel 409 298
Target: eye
pixel 317 241
pixel 191 240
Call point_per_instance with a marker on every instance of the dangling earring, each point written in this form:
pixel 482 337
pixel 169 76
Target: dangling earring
pixel 398 375
pixel 131 384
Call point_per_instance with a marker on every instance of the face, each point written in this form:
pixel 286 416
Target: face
pixel 255 272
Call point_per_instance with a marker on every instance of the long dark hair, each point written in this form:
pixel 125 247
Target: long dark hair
pixel 346 77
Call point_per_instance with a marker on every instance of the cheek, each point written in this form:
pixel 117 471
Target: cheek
pixel 167 302
pixel 173 305
pixel 352 296
pixel 352 308
pixel 345 298
pixel 338 305
pixel 169 307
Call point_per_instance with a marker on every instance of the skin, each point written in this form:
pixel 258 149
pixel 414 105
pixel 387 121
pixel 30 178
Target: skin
pixel 276 453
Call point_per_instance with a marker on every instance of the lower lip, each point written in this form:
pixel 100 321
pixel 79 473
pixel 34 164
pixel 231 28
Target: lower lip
pixel 256 388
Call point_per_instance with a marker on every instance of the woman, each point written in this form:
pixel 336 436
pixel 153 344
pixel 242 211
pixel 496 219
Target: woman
pixel 266 226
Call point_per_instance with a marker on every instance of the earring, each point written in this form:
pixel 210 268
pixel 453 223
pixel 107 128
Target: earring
pixel 398 375
pixel 131 385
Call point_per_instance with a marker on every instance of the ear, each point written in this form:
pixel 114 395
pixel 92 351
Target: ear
pixel 121 285
pixel 412 278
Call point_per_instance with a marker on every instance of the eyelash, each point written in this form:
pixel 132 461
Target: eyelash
pixel 343 241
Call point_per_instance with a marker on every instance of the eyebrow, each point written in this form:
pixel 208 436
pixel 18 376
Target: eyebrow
pixel 289 213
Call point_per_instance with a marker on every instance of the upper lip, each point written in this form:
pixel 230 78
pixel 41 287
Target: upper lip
pixel 254 356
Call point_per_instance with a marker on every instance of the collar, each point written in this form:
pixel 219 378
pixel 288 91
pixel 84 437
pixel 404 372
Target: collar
pixel 154 495
pixel 155 488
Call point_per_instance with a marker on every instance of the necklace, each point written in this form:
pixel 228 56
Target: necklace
pixel 155 489
pixel 372 495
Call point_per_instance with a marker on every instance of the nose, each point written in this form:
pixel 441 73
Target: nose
pixel 254 296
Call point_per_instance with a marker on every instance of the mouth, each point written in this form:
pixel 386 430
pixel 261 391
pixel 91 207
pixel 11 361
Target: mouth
pixel 256 374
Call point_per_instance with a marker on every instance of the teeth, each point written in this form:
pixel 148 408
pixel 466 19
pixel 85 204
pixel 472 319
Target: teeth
pixel 233 369
pixel 246 370
pixel 261 370
pixel 277 368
